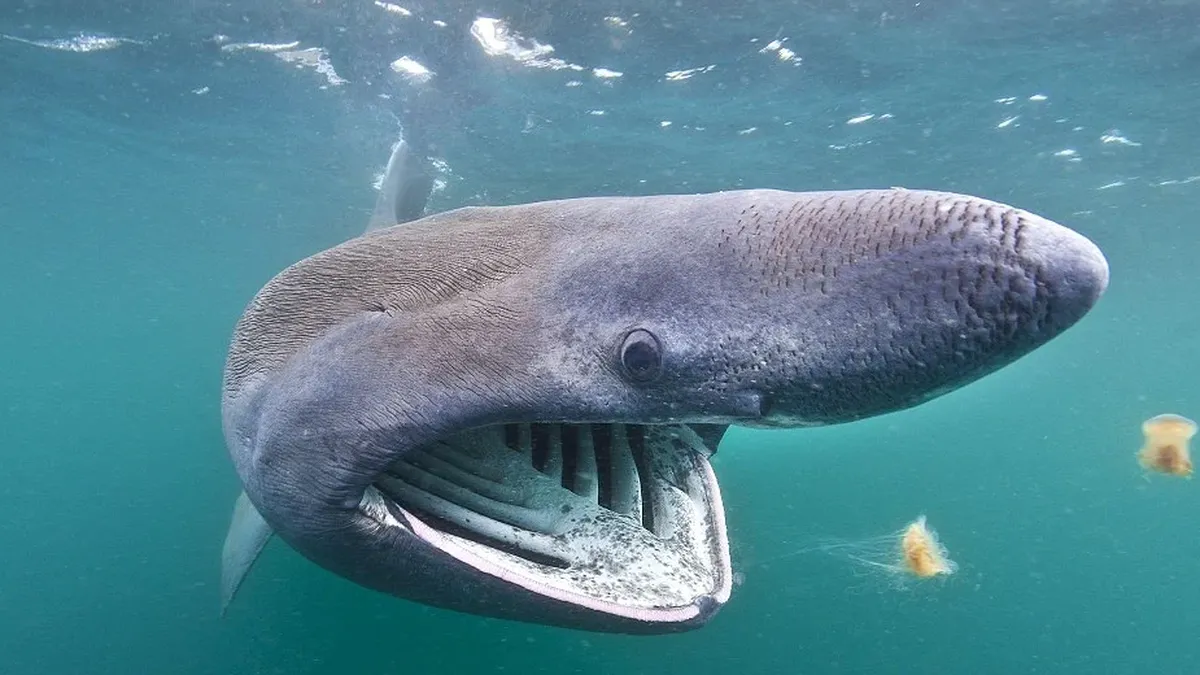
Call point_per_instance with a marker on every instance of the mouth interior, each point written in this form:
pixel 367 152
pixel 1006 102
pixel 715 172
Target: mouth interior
pixel 603 515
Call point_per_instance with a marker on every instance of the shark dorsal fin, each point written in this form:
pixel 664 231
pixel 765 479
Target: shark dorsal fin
pixel 405 189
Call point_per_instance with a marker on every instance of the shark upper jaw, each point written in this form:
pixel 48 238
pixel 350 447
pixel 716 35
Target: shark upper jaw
pixel 612 527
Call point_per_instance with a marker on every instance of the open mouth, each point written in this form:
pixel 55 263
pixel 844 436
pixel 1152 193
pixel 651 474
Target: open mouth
pixel 621 519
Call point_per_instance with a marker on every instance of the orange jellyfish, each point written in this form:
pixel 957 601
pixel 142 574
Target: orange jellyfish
pixel 1166 446
pixel 912 551
pixel 924 555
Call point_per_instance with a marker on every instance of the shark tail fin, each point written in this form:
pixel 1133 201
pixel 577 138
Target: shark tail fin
pixel 248 534
pixel 405 190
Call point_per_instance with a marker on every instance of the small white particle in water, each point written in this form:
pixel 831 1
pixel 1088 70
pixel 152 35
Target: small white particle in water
pixel 680 75
pixel 886 116
pixel 1008 100
pixel 393 8
pixel 606 73
pixel 411 69
pixel 1185 181
pixel 1109 186
pixel 316 58
pixel 1066 153
pixel 664 123
pixel 259 46
pixel 201 91
pixel 782 53
pixel 80 43
pixel 1115 136
pixel 748 130
pixel 574 83
pixel 860 119
pixel 1038 97
pixel 1008 122
pixel 439 23
pixel 595 112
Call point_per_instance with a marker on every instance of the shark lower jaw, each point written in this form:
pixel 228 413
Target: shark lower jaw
pixel 618 520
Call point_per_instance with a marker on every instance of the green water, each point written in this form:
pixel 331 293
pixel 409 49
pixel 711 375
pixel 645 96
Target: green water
pixel 137 217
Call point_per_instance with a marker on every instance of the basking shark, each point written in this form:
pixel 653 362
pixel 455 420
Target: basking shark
pixel 511 411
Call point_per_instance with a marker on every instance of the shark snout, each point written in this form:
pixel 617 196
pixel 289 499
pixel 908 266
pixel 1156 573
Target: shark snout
pixel 1070 271
pixel 981 285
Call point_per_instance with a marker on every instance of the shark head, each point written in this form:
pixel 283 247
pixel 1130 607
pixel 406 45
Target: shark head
pixel 510 411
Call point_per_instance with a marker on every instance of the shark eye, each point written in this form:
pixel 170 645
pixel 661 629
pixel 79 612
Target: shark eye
pixel 641 356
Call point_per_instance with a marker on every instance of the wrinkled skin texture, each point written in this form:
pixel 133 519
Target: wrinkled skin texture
pixel 770 308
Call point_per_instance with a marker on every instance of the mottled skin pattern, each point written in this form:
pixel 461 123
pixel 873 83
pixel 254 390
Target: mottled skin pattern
pixel 771 308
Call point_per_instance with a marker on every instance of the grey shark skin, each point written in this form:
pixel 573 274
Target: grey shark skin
pixel 509 411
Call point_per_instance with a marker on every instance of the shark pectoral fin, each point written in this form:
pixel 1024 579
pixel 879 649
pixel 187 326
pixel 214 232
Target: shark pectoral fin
pixel 405 190
pixel 711 434
pixel 248 534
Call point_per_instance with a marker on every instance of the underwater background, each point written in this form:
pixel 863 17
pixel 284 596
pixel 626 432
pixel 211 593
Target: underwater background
pixel 161 160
